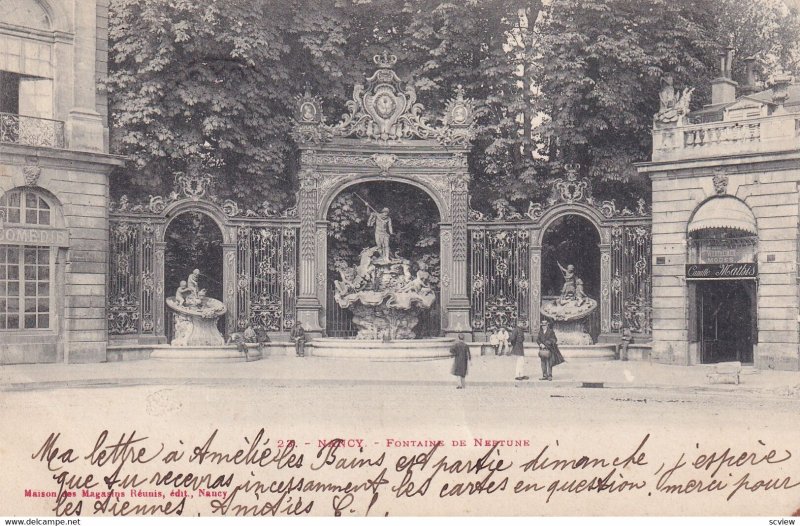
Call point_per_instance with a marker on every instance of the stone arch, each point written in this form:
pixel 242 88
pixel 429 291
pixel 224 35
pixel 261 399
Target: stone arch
pixel 56 207
pixel 31 14
pixel 438 199
pixel 210 209
pixel 587 212
pixel 599 222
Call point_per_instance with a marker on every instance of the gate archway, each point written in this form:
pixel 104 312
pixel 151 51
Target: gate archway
pixel 415 241
pixel 385 137
pixel 258 276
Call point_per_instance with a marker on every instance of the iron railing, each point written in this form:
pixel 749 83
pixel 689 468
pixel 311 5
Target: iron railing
pixel 31 131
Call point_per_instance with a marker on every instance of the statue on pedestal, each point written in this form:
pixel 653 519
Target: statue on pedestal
pixel 570 310
pixel 383 231
pixel 195 315
pixel 381 291
pixel 572 290
pixel 672 105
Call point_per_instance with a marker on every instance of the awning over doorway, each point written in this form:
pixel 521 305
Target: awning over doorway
pixel 724 212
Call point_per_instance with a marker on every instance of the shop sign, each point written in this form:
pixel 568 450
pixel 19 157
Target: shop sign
pixel 726 254
pixel 34 236
pixel 722 271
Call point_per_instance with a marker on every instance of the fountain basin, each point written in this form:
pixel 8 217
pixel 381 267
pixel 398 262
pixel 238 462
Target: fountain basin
pixel 377 350
pixel 205 353
pixel 196 325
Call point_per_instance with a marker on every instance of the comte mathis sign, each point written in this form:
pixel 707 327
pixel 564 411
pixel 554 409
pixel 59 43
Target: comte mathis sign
pixel 722 271
pixel 34 236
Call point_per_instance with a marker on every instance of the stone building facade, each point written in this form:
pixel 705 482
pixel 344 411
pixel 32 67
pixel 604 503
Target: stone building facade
pixel 54 167
pixel 725 223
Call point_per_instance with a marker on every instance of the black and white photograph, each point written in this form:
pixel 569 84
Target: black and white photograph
pixel 416 258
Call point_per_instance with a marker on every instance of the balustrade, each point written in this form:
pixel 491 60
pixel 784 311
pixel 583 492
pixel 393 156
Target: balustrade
pixel 31 131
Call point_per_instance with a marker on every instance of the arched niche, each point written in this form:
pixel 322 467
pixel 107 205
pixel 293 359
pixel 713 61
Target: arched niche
pixel 415 216
pixel 589 213
pixel 351 180
pixel 214 212
pixel 603 289
pixel 193 240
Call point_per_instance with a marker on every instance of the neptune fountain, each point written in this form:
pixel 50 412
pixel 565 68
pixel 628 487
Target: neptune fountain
pixel 384 296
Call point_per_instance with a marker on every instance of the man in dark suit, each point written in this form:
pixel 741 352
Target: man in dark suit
pixel 461 358
pixel 549 353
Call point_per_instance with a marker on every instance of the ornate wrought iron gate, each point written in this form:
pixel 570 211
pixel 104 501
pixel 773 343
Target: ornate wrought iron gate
pixel 505 259
pixel 631 284
pixel 266 285
pixel 259 251
pixel 131 284
pixel 499 278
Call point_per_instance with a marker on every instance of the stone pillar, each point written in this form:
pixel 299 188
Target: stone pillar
pixel 458 305
pixel 446 270
pixel 308 304
pixel 229 285
pixel 536 284
pixel 85 125
pixel 605 288
pixel 159 248
pixel 322 270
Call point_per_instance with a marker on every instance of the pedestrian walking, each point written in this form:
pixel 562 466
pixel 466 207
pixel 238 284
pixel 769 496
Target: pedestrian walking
pixel 461 359
pixel 517 341
pixel 298 336
pixel 548 350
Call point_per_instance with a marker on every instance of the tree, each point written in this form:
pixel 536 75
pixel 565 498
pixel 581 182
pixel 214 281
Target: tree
pixel 601 66
pixel 768 31
pixel 214 80
pixel 569 81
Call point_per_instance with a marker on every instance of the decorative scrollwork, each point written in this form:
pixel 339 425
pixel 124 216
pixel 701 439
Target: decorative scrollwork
pixel 384 161
pixel 31 131
pixel 31 171
pixel 386 109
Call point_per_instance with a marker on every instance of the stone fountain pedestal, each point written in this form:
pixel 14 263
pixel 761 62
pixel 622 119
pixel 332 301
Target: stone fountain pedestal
pixel 569 324
pixel 385 299
pixel 196 337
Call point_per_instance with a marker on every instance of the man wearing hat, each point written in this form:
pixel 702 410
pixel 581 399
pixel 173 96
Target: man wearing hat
pixel 548 349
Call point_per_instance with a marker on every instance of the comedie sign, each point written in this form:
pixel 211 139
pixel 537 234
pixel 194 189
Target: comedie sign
pixel 34 236
pixel 722 271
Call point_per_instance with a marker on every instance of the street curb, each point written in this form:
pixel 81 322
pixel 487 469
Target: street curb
pixel 572 384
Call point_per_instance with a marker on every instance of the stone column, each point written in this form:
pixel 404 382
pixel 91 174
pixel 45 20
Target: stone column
pixel 458 305
pixel 605 288
pixel 159 248
pixel 446 270
pixel 322 270
pixel 229 285
pixel 85 124
pixel 536 284
pixel 308 304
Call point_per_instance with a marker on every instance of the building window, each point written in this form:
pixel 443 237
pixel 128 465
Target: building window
pixel 9 92
pixel 25 271
pixel 25 297
pixel 25 207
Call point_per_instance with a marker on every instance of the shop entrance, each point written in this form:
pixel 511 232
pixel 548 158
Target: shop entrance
pixel 726 321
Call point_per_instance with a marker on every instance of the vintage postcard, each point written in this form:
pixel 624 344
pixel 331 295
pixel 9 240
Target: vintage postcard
pixel 376 258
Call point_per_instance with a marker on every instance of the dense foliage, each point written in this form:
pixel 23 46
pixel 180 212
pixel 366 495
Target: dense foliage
pixel 568 81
